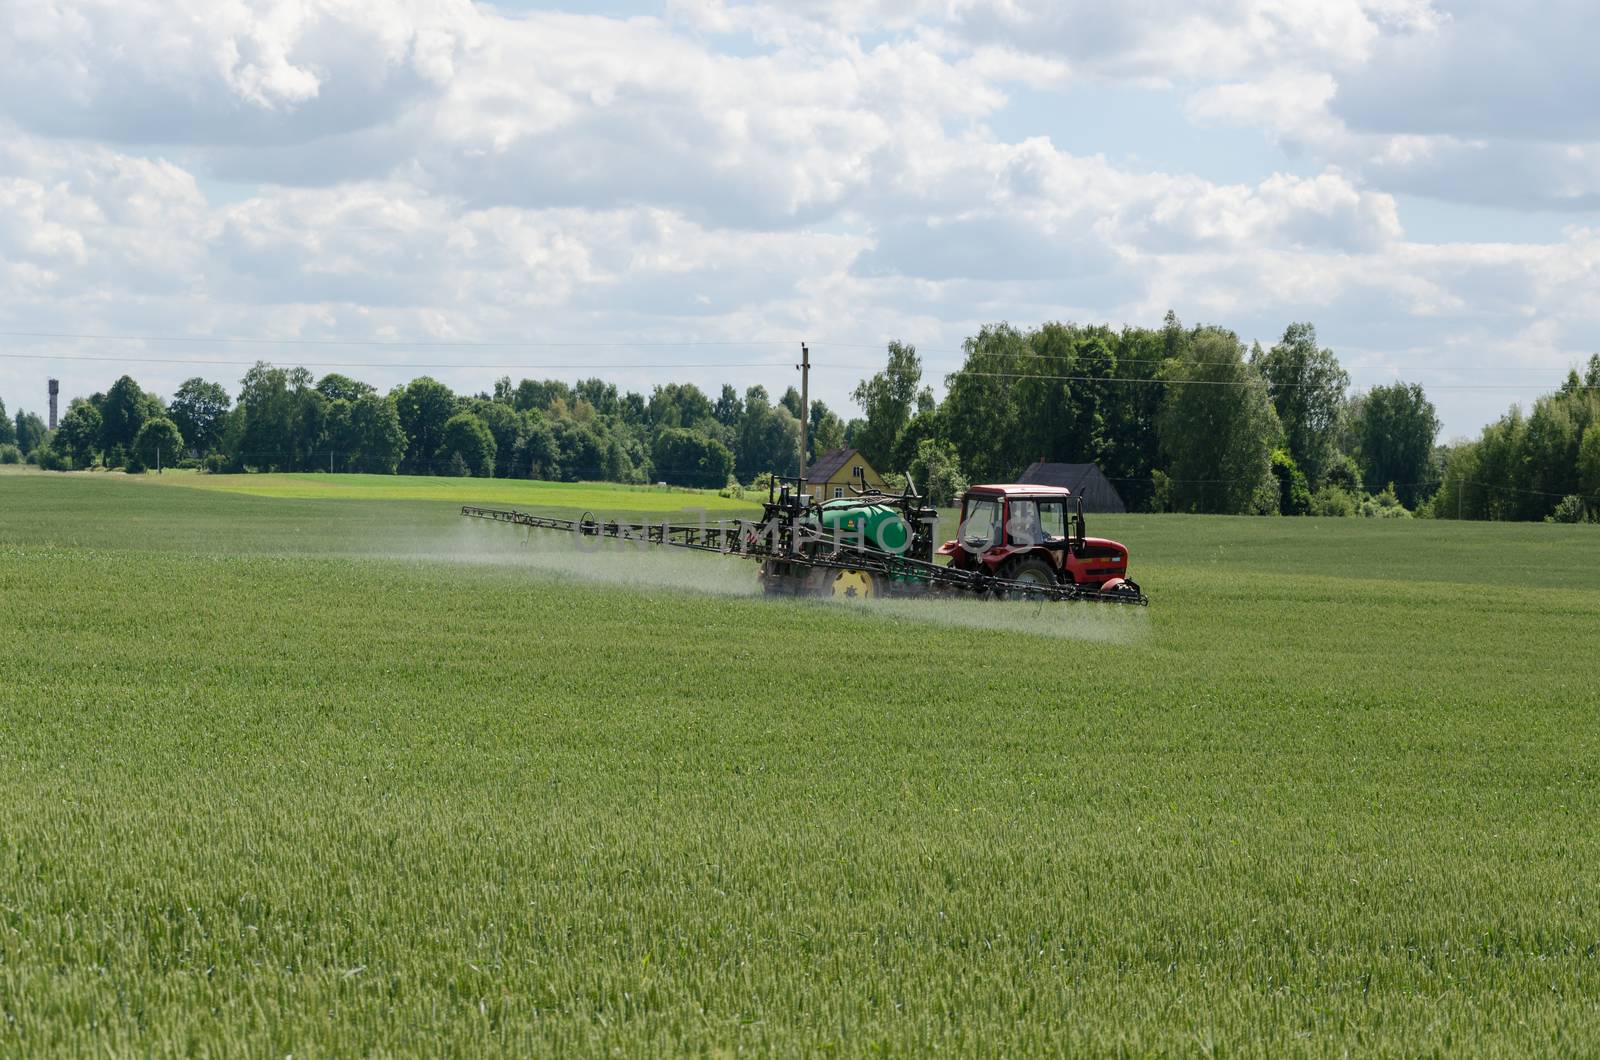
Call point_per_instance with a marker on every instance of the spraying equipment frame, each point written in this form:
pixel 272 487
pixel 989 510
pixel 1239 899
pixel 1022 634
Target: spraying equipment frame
pixel 870 544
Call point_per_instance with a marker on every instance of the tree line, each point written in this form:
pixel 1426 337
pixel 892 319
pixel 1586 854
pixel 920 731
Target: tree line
pixel 1541 465
pixel 290 420
pixel 1180 419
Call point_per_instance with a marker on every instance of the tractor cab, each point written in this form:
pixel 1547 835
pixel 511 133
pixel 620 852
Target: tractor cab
pixel 1035 534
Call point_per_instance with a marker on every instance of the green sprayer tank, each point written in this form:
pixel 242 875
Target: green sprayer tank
pixel 882 526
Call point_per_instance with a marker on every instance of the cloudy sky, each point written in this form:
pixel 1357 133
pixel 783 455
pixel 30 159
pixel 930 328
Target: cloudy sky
pixel 684 190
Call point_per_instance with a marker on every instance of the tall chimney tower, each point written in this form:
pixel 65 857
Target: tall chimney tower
pixel 55 389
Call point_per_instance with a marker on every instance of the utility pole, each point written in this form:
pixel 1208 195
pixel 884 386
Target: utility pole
pixel 805 407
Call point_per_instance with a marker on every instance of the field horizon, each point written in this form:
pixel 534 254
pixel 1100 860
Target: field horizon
pixel 315 768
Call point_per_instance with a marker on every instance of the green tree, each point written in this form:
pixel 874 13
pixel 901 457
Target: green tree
pixel 505 423
pixel 380 440
pixel 1524 466
pixel 1218 427
pixel 1294 497
pixel 827 434
pixel 1459 496
pixel 467 437
pixel 617 460
pixel 816 412
pixel 729 409
pixel 583 452
pixel 336 387
pixel 751 456
pixel 690 458
pixel 1058 392
pixel 1571 509
pixel 924 426
pixel 538 452
pixel 425 405
pixel 78 437
pixel 981 411
pixel 30 431
pixel 852 430
pixel 1063 394
pixel 888 399
pixel 267 418
pixel 634 410
pixel 1499 467
pixel 198 410
pixel 680 405
pixel 536 395
pixel 782 441
pixel 1307 387
pixel 339 435
pixel 157 445
pixel 936 470
pixel 49 459
pixel 1550 454
pixel 599 394
pixel 121 415
pixel 8 431
pixel 1589 466
pixel 310 423
pixel 1132 445
pixel 281 420
pixel 1344 473
pixel 768 438
pixel 1397 428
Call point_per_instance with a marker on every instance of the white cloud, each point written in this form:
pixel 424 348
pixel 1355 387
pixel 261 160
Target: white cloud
pixel 150 71
pixel 1500 71
pixel 349 169
pixel 1486 103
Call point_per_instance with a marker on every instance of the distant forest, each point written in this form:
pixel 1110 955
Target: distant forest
pixel 1180 419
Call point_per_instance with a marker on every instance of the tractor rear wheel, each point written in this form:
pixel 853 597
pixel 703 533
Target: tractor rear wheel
pixel 853 584
pixel 1029 570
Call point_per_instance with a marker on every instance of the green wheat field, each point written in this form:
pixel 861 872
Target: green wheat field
pixel 309 765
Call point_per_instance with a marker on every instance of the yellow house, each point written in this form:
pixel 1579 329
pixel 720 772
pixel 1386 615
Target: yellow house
pixel 839 469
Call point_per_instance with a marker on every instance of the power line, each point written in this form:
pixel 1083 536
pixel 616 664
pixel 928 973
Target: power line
pixel 1120 360
pixel 1234 382
pixel 1512 489
pixel 675 365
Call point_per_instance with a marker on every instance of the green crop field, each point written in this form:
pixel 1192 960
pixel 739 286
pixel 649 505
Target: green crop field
pixel 607 496
pixel 306 765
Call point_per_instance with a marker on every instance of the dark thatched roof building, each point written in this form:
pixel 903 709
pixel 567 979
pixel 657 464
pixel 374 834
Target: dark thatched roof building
pixel 1084 480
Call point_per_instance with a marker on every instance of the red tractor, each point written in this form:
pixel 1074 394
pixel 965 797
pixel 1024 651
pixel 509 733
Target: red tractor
pixel 1035 534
